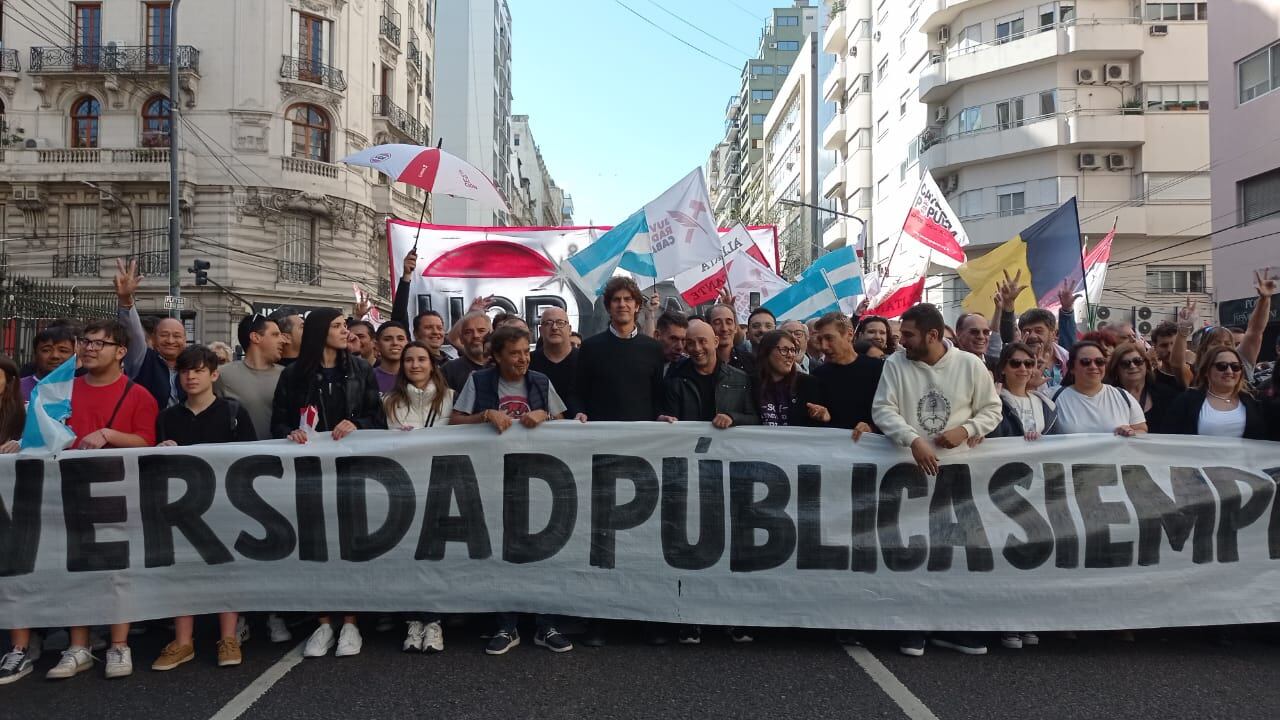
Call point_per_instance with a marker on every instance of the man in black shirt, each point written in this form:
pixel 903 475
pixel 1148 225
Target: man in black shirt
pixel 557 358
pixel 473 330
pixel 848 380
pixel 620 370
pixel 201 418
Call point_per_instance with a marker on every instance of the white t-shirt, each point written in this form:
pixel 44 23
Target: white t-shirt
pixel 1030 410
pixel 1102 413
pixel 511 399
pixel 1222 423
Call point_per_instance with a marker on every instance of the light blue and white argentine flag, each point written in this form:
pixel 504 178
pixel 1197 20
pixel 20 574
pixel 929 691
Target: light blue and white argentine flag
pixel 843 270
pixel 810 296
pixel 50 405
pixel 591 267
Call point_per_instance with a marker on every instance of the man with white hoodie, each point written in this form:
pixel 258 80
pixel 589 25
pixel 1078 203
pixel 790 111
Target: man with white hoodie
pixel 934 396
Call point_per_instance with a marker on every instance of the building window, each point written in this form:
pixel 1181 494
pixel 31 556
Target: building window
pixel 783 69
pixel 1259 73
pixel 882 187
pixel 1008 29
pixel 902 172
pixel 82 241
pixel 88 17
pixel 970 203
pixel 1176 96
pixel 157 33
pixel 788 45
pixel 1166 12
pixel 761 69
pixel 757 119
pixel 861 84
pixel 1010 200
pixel 84 122
pixel 788 20
pixel 902 45
pixel 297 262
pixel 310 132
pixel 902 103
pixel 155 122
pixel 882 125
pixel 312 45
pixel 1175 279
pixel 1260 197
pixel 881 68
pixel 861 138
pixel 1009 113
pixel 759 95
pixel 970 119
pixel 1048 103
pixel 970 38
pixel 862 198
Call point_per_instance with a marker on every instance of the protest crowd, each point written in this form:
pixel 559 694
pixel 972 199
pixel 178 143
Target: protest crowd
pixel 927 386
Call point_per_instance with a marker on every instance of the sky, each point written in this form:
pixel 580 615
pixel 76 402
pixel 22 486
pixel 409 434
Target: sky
pixel 620 109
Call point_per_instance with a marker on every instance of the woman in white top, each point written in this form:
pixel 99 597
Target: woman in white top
pixel 1218 405
pixel 1026 411
pixel 1086 405
pixel 421 398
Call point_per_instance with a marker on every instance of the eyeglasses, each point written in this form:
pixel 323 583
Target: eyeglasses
pixel 786 351
pixel 1225 366
pixel 95 345
pixel 1132 362
pixel 1028 364
pixel 1095 362
pixel 557 324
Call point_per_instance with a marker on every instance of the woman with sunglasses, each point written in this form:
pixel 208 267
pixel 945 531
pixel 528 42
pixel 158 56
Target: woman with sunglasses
pixel 1218 405
pixel 784 395
pixel 1130 368
pixel 1087 405
pixel 1027 413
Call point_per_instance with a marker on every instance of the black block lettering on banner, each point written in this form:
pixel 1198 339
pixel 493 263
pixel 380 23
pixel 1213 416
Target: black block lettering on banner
pixel 901 478
pixel 81 511
pixel 309 497
pixel 811 554
pixel 20 530
pixel 453 477
pixel 1036 550
pixel 1273 527
pixel 279 539
pixel 678 551
pixel 864 553
pixel 769 514
pixel 1190 513
pixel 518 544
pixel 1066 535
pixel 1099 550
pixel 161 517
pixel 953 497
pixel 1232 515
pixel 355 542
pixel 607 516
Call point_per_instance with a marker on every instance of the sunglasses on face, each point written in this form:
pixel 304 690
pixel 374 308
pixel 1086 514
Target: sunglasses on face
pixel 1028 364
pixel 1132 362
pixel 1094 362
pixel 1225 366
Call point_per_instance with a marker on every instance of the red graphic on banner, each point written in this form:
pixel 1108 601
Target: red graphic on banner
pixel 925 228
pixel 899 301
pixel 709 289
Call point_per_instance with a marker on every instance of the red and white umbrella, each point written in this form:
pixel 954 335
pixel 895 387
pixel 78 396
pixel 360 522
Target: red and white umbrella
pixel 431 169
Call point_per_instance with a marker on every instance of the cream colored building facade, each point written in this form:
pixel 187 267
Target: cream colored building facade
pixel 272 95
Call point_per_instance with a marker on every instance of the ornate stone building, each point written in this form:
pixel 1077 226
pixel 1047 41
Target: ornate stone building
pixel 272 95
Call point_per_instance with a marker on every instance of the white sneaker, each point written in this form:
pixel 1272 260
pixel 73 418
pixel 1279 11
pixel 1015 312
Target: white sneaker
pixel 320 642
pixel 349 641
pixel 279 631
pixel 242 630
pixel 1013 641
pixel 74 660
pixel 413 639
pixel 434 640
pixel 119 662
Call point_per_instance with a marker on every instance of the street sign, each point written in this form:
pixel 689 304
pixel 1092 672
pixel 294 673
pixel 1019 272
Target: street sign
pixel 172 301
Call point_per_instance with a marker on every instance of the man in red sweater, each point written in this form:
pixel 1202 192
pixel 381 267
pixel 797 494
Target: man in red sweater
pixel 108 410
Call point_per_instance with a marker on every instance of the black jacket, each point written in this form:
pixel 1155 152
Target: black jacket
pixel 293 393
pixel 1011 422
pixel 734 398
pixel 806 390
pixel 1183 416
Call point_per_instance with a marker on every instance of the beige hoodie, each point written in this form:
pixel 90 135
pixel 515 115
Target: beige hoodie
pixel 916 399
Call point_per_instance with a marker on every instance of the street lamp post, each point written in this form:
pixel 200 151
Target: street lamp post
pixel 797 203
pixel 175 226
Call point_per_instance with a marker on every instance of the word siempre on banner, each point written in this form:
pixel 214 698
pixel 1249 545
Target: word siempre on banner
pixel 668 523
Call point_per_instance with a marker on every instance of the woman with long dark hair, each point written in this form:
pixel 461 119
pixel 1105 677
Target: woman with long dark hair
pixel 1130 368
pixel 1085 404
pixel 13 415
pixel 1219 404
pixel 327 389
pixel 421 397
pixel 784 395
pixel 877 330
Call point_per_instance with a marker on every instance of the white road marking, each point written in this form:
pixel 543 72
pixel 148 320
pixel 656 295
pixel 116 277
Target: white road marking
pixel 259 687
pixel 910 704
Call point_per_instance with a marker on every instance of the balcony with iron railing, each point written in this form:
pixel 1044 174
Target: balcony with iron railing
pixel 389 24
pixel 153 263
pixel 297 273
pixel 68 266
pixel 311 71
pixel 9 61
pixel 414 53
pixel 114 59
pixel 398 118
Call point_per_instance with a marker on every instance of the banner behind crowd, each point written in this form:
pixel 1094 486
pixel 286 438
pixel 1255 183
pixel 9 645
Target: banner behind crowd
pixel 670 523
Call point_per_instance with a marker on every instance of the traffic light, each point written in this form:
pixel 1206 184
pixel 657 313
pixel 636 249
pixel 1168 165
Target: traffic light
pixel 200 268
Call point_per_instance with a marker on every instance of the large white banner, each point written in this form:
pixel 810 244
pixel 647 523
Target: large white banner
pixel 682 523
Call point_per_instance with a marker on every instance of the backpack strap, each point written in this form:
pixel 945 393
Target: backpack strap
pixel 233 407
pixel 111 420
pixel 1059 392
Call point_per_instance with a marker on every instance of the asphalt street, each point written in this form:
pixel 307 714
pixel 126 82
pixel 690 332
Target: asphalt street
pixel 1165 674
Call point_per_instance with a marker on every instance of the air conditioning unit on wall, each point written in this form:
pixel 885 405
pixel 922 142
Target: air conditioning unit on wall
pixel 1089 161
pixel 1115 73
pixel 1118 161
pixel 944 35
pixel 1086 76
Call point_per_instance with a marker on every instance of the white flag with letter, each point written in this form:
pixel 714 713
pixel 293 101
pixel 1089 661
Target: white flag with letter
pixel 682 232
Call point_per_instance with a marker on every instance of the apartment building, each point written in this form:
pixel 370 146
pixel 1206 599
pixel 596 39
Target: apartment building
pixel 473 83
pixel 847 134
pixel 1244 97
pixel 271 96
pixel 542 200
pixel 741 193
